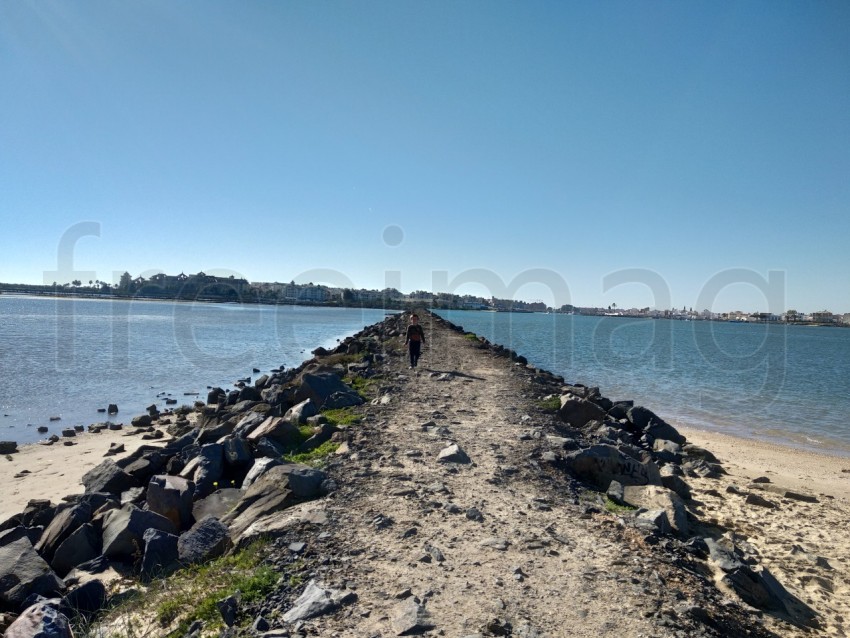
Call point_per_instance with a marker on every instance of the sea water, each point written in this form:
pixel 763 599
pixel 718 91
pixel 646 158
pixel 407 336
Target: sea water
pixel 67 357
pixel 788 384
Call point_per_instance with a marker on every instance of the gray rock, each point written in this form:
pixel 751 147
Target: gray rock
pixel 314 601
pixel 23 573
pixel 277 429
pixel 653 521
pixel 68 518
pixel 305 482
pixel 209 470
pixel 319 388
pixel 237 452
pixel 82 545
pixel 87 599
pixel 216 504
pixel 124 529
pixel 41 620
pixel 474 514
pixel 171 497
pixel 578 412
pixel 228 608
pixel 141 421
pixel 500 544
pixel 108 477
pixel 161 554
pixel 248 423
pixel 654 497
pixel 759 501
pixel 207 539
pixel 300 412
pixel 601 464
pixel 342 400
pixel 278 488
pixel 409 618
pixel 8 447
pixel 259 467
pixel 453 454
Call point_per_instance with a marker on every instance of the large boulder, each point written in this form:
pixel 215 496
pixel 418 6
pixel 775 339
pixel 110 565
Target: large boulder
pixel 246 425
pixel 145 466
pixel 601 464
pixel 41 620
pixel 209 470
pixel 578 412
pixel 277 429
pixel 171 497
pixel 68 518
pixel 23 572
pixel 108 477
pixel 258 469
pixel 645 420
pixel 654 497
pixel 300 412
pixel 237 452
pixel 81 546
pixel 278 488
pixel 342 400
pixel 319 387
pixel 124 530
pixel 207 539
pixel 161 554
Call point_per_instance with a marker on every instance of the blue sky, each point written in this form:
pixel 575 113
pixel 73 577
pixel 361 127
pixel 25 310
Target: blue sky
pixel 680 150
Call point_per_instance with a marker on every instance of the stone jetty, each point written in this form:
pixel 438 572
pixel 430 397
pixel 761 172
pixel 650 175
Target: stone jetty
pixel 475 495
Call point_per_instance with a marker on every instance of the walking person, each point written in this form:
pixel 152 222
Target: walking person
pixel 414 340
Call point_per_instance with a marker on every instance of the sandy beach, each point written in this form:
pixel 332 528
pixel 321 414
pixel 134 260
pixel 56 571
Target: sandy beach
pixel 53 471
pixel 806 545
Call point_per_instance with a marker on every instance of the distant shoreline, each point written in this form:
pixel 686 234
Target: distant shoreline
pixel 398 307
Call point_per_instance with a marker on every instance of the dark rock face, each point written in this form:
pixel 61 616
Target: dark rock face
pixel 8 447
pixel 66 521
pixel 23 572
pixel 161 554
pixel 124 529
pixel 171 497
pixel 277 429
pixel 319 387
pixel 208 539
pixel 578 412
pixel 81 546
pixel 299 413
pixel 601 464
pixel 108 477
pixel 141 421
pixel 86 599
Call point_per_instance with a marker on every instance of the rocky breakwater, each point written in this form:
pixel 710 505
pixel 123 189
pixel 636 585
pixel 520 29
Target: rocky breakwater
pixel 217 484
pixel 477 496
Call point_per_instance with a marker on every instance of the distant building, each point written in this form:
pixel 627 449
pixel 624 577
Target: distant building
pixel 824 316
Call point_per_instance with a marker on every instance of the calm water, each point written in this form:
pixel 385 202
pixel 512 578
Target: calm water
pixel 68 357
pixel 790 384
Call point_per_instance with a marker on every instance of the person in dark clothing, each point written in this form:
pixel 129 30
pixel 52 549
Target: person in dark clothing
pixel 414 340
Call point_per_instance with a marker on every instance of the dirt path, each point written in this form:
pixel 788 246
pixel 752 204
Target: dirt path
pixel 503 545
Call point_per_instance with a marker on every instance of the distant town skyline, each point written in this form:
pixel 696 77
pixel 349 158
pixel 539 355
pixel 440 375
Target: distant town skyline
pixel 646 154
pixel 200 285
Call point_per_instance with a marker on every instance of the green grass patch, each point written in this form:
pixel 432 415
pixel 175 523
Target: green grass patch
pixel 169 606
pixel 342 416
pixel 361 385
pixel 552 403
pixel 471 336
pixel 315 456
pixel 615 508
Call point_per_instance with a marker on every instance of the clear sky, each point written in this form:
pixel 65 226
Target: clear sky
pixel 639 153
